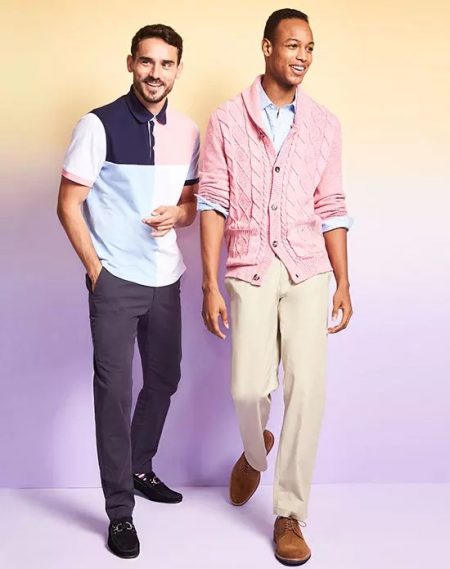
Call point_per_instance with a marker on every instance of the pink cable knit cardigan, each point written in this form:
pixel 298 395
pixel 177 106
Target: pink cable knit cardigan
pixel 276 203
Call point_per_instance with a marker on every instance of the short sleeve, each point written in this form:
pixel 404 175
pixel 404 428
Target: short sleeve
pixel 192 175
pixel 87 151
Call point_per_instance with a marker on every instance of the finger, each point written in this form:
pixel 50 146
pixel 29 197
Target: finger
pixel 164 218
pixel 214 326
pixel 161 231
pixel 224 316
pixel 346 314
pixel 335 312
pixel 159 210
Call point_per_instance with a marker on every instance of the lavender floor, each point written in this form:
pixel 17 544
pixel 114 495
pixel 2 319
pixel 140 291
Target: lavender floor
pixel 350 527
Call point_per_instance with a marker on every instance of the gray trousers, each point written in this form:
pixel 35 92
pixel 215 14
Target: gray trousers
pixel 121 311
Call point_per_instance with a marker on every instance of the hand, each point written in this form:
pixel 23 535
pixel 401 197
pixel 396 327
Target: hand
pixel 213 307
pixel 341 301
pixel 93 276
pixel 163 219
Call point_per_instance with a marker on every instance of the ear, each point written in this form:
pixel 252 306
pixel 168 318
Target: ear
pixel 130 62
pixel 266 47
pixel 179 70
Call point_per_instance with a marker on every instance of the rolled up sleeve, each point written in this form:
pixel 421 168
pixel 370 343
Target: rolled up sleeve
pixel 329 198
pixel 214 189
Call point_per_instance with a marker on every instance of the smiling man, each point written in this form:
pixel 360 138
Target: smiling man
pixel 132 167
pixel 270 181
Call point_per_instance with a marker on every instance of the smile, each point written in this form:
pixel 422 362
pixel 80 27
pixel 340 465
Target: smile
pixel 298 68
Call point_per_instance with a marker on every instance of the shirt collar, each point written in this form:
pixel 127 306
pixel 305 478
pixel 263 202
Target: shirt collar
pixel 141 113
pixel 266 102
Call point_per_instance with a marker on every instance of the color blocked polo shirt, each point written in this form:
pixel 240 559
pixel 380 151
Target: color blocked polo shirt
pixel 133 162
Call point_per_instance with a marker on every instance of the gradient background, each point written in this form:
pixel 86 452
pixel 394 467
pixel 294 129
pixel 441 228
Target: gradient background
pixel 383 68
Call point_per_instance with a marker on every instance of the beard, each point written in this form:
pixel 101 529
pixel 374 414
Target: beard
pixel 152 98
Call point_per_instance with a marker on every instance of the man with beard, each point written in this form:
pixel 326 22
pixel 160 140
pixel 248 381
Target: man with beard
pixel 271 180
pixel 132 167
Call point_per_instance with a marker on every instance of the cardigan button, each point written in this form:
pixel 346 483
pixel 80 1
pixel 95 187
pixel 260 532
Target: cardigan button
pixel 277 169
pixel 274 207
pixel 275 243
pixel 256 277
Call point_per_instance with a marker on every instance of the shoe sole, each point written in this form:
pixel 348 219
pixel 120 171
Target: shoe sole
pixel 117 553
pixel 162 501
pixel 291 562
pixel 271 443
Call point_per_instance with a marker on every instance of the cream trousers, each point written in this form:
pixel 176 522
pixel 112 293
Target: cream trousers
pixel 281 321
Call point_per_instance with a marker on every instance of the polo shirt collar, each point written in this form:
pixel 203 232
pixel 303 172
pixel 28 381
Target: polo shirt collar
pixel 266 102
pixel 142 114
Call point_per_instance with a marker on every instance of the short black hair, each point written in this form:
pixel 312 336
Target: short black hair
pixel 283 14
pixel 166 33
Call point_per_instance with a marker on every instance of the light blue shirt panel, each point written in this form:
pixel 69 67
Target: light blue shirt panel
pixel 121 197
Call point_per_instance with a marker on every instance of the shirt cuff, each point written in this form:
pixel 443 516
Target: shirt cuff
pixel 205 205
pixel 343 221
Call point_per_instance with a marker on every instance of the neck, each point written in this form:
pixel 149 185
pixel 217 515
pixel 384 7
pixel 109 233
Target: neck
pixel 154 108
pixel 279 94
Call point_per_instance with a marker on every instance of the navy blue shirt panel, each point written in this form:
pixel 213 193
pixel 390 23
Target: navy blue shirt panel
pixel 129 136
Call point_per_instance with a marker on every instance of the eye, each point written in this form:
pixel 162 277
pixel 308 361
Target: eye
pixel 292 46
pixel 310 49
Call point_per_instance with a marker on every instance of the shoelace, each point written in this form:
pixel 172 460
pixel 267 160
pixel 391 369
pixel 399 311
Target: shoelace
pixel 289 524
pixel 123 526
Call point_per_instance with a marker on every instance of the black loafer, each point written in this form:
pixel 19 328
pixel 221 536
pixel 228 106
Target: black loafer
pixel 155 490
pixel 122 538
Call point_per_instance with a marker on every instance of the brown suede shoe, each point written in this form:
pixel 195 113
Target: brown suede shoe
pixel 244 478
pixel 291 548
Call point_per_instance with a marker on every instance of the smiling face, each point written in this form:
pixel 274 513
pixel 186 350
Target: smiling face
pixel 155 68
pixel 289 55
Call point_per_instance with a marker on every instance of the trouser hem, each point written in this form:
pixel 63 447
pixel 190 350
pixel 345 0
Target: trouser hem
pixel 299 515
pixel 122 512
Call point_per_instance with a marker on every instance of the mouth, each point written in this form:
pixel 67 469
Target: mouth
pixel 298 69
pixel 153 84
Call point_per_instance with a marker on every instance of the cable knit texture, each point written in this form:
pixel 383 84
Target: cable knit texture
pixel 276 203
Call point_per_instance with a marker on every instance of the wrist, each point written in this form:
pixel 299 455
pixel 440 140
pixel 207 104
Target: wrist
pixel 343 283
pixel 210 286
pixel 94 270
pixel 178 214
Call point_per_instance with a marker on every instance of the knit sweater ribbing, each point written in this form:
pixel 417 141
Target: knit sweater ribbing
pixel 276 203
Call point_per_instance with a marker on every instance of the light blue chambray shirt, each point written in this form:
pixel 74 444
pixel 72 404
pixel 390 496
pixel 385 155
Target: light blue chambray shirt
pixel 277 124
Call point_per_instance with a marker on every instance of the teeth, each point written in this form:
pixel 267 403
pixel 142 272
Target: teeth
pixel 298 68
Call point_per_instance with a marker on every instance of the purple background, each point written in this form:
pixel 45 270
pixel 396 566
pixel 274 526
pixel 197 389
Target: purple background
pixel 387 412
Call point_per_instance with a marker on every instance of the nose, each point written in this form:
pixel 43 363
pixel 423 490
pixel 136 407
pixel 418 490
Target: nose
pixel 302 54
pixel 154 71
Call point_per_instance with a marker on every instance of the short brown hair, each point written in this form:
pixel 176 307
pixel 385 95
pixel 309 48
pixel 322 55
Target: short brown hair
pixel 166 33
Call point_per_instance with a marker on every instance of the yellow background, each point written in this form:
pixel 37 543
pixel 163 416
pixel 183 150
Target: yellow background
pixel 383 67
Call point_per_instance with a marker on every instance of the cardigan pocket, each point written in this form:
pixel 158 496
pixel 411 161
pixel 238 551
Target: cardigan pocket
pixel 243 245
pixel 305 237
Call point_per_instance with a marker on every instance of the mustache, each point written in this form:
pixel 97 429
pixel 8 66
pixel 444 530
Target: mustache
pixel 154 80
